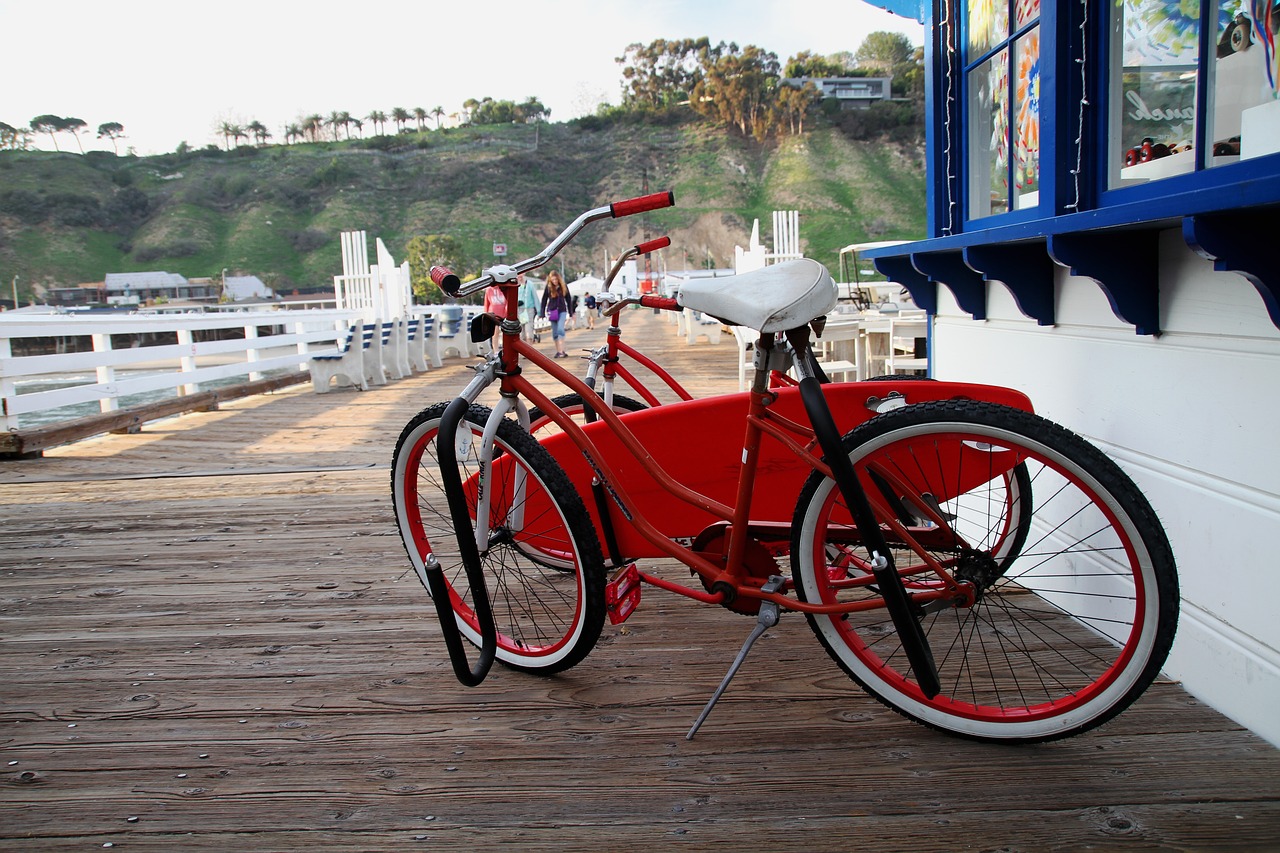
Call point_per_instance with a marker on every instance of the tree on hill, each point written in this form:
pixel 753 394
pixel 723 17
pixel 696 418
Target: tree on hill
pixel 258 131
pixel 420 116
pixel 49 124
pixel 14 138
pixel 379 121
pixel 806 64
pixel 73 126
pixel 400 115
pixel 313 126
pixel 663 73
pixel 437 113
pixel 112 130
pixel 737 88
pixel 884 52
pixel 792 105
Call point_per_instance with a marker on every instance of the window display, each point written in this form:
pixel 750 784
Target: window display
pixel 1157 69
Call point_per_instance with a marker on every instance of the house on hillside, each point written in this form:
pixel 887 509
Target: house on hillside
pixel 1104 195
pixel 133 288
pixel 852 93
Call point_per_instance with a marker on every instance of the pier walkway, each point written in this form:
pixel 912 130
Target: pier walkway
pixel 210 641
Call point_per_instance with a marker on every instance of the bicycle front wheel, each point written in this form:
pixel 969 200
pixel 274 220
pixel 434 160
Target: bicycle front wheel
pixel 542 563
pixel 1076 590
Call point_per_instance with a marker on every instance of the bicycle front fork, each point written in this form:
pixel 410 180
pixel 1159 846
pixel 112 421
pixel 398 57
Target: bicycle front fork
pixel 902 610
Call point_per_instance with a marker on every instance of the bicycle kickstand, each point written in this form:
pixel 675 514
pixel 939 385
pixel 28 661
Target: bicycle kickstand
pixel 768 618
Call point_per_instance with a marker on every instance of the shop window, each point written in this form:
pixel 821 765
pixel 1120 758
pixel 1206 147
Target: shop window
pixel 1002 78
pixel 1156 50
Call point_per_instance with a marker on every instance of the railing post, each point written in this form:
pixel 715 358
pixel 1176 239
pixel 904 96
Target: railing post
pixel 251 352
pixel 186 339
pixel 105 373
pixel 300 328
pixel 8 389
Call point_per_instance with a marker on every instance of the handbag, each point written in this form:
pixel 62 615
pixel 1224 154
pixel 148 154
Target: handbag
pixel 553 314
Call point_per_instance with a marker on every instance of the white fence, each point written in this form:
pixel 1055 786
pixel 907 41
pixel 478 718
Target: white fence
pixel 182 367
pixel 378 292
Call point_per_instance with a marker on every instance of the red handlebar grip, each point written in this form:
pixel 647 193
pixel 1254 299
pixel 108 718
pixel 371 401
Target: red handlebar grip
pixel 665 303
pixel 446 280
pixel 653 245
pixel 641 204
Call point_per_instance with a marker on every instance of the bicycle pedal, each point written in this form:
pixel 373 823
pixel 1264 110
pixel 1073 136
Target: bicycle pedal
pixel 622 594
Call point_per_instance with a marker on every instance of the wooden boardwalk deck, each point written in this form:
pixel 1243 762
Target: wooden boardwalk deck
pixel 209 641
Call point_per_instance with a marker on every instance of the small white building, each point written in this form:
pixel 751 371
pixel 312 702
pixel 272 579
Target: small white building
pixel 237 288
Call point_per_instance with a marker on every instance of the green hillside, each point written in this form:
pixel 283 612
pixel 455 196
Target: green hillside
pixel 276 212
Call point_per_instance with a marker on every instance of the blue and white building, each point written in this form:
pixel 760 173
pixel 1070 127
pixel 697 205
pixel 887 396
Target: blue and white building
pixel 1104 232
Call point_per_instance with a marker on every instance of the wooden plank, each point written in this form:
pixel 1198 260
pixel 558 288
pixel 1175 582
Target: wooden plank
pixel 211 626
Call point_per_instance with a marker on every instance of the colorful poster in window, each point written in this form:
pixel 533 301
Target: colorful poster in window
pixel 1161 32
pixel 1024 12
pixel 1026 138
pixel 988 25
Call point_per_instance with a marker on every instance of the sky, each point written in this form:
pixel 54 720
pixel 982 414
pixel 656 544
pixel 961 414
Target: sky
pixel 173 71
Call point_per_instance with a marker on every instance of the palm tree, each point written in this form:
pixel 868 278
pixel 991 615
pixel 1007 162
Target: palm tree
pixel 293 132
pixel 379 119
pixel 112 130
pixel 400 115
pixel 437 114
pixel 420 115
pixel 335 123
pixel 345 119
pixel 359 127
pixel 313 125
pixel 227 129
pixel 259 131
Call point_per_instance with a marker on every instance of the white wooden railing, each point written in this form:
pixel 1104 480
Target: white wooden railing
pixel 180 367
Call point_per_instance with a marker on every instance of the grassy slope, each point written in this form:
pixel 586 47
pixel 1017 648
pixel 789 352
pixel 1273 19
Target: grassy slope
pixel 277 212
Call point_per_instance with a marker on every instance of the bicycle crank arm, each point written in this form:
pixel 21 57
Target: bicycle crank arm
pixel 446 449
pixel 896 599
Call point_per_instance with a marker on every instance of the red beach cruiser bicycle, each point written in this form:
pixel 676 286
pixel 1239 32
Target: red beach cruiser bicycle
pixel 972 565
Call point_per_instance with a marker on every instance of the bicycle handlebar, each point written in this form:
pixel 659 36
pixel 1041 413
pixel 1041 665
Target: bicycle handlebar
pixel 446 280
pixel 449 282
pixel 654 201
pixel 653 245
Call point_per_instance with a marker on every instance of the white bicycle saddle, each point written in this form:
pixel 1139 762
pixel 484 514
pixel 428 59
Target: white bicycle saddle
pixel 774 299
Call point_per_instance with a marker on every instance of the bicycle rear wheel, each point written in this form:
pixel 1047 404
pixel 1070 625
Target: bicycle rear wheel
pixel 1077 594
pixel 542 562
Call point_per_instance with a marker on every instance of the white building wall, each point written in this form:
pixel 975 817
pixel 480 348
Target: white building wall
pixel 1190 416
